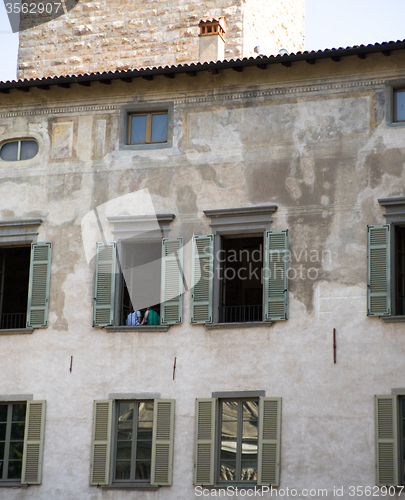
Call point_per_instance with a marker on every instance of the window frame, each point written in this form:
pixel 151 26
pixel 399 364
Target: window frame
pixel 5 460
pixel 145 108
pixel 130 482
pixel 148 134
pixel 395 93
pixel 239 437
pixel 19 141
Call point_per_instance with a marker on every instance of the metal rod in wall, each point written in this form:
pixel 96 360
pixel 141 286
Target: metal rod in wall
pixel 334 345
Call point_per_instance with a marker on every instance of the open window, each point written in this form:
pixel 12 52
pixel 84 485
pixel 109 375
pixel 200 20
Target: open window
pixel 237 441
pixel 240 271
pixel 22 425
pixel 24 286
pixel 386 263
pixel 132 443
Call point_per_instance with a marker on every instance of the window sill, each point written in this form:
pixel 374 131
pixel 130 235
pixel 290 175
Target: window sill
pixel 222 326
pixel 13 485
pixel 15 331
pixel 143 328
pixel 146 146
pixel 393 319
pixel 131 486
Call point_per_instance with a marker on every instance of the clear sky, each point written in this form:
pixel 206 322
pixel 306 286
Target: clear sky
pixel 328 24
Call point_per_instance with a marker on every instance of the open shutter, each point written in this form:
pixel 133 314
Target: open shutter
pixel 38 289
pixel 202 278
pixel 104 284
pixel 378 270
pixel 204 441
pixel 269 442
pixel 101 442
pixel 162 442
pixel 33 443
pixel 386 440
pixel 171 307
pixel 275 276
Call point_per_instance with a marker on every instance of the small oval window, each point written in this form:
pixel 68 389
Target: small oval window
pixel 23 149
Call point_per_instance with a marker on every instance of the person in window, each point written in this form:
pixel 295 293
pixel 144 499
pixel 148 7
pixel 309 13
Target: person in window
pixel 134 318
pixel 151 317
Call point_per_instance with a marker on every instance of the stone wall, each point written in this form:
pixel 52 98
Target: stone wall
pixel 120 34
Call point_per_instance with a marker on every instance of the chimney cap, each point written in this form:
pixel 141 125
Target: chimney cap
pixel 212 26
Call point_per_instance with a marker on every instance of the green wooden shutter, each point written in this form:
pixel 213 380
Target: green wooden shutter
pixel 171 307
pixel 275 276
pixel 378 270
pixel 386 440
pixel 202 279
pixel 39 281
pixel 162 442
pixel 33 443
pixel 104 284
pixel 269 441
pixel 204 442
pixel 101 442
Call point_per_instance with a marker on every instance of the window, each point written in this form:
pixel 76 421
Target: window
pixel 22 149
pixel 239 272
pixel 386 263
pixel 399 105
pixel 146 125
pixel 140 270
pixel 132 443
pixel 21 442
pixel 237 441
pixel 146 128
pixel 24 286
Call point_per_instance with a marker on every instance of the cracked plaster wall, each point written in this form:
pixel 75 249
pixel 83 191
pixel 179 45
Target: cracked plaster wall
pixel 323 157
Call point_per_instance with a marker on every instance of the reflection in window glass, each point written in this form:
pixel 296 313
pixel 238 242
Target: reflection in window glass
pixel 19 150
pixel 138 129
pixel 9 152
pixel 400 106
pixel 12 424
pixel 159 127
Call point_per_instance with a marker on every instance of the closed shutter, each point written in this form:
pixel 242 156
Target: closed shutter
pixel 202 279
pixel 162 442
pixel 378 270
pixel 172 281
pixel 204 442
pixel 101 443
pixel 269 442
pixel 386 440
pixel 275 275
pixel 33 443
pixel 104 284
pixel 39 281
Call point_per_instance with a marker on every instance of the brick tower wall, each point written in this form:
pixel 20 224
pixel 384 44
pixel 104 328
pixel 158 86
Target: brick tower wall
pixel 107 35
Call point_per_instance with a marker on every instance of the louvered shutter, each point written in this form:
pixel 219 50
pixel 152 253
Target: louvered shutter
pixel 269 441
pixel 202 279
pixel 275 275
pixel 162 442
pixel 171 307
pixel 104 284
pixel 39 281
pixel 386 440
pixel 33 443
pixel 378 270
pixel 204 442
pixel 101 442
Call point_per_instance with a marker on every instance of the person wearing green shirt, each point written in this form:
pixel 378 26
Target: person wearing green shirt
pixel 151 317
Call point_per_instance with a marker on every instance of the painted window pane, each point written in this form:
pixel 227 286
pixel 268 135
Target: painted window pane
pixel 138 128
pixel 29 149
pixel 159 128
pixel 9 152
pixel 400 106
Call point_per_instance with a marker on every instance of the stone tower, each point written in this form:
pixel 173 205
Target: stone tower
pixel 108 35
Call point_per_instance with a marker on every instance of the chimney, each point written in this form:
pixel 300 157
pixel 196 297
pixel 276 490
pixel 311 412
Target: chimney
pixel 212 38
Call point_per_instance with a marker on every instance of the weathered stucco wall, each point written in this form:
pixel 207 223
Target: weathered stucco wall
pixel 316 146
pixel 108 35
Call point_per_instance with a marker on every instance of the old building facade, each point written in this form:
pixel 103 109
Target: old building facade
pixel 257 206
